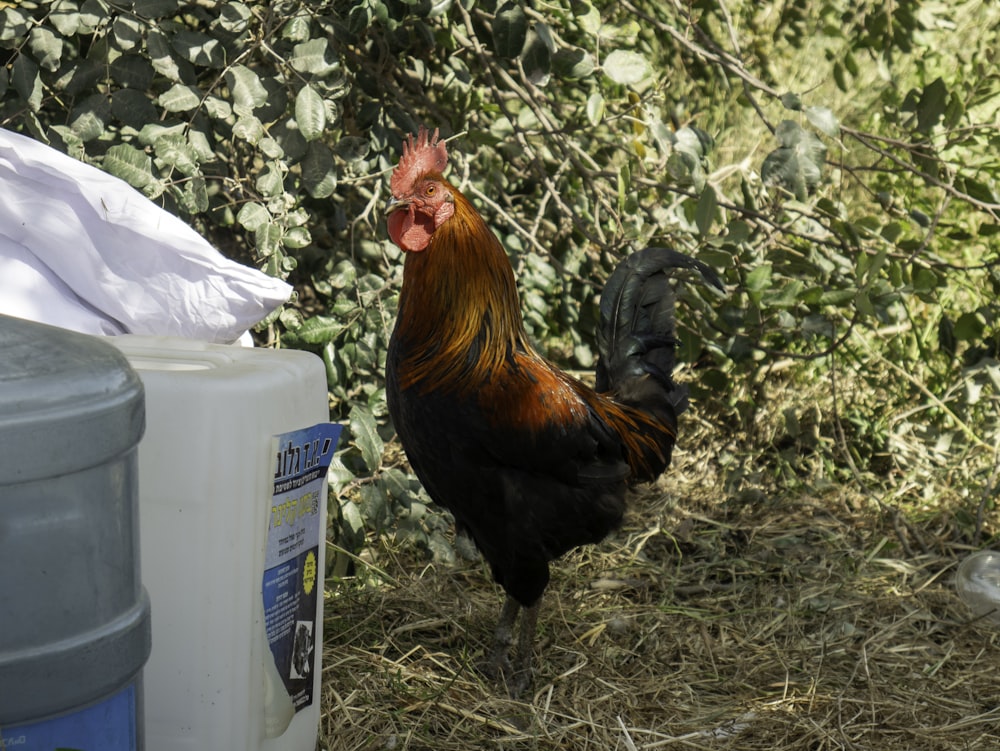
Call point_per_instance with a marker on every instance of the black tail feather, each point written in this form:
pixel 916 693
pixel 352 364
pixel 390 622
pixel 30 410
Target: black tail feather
pixel 637 333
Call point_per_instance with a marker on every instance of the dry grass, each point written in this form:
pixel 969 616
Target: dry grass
pixel 789 623
pixel 803 618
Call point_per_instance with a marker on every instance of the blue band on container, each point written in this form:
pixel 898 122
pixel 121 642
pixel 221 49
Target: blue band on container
pixel 108 725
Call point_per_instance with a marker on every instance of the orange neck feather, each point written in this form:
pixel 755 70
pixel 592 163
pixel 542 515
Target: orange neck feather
pixel 459 312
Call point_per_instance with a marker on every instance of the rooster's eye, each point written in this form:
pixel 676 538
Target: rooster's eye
pixel 430 190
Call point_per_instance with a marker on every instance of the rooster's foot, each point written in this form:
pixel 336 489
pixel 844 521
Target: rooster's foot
pixel 513 674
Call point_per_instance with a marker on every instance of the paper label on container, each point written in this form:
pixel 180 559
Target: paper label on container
pixel 293 582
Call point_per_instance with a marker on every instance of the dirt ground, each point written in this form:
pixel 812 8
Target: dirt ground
pixel 800 620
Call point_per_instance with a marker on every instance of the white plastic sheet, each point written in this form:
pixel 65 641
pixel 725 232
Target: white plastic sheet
pixel 85 251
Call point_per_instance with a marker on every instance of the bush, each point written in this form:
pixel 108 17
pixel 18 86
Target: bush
pixel 835 160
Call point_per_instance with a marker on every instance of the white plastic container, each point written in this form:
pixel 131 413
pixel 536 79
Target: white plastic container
pixel 208 508
pixel 978 584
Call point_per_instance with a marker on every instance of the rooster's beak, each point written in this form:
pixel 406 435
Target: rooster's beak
pixel 395 204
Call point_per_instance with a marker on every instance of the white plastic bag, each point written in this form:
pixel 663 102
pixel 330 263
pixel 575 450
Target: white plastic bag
pixel 85 251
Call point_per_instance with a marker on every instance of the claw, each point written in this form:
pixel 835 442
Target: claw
pixel 497 667
pixel 520 680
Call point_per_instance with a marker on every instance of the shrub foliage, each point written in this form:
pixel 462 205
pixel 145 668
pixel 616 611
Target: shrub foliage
pixel 836 160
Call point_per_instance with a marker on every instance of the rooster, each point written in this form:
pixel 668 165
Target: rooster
pixel 530 461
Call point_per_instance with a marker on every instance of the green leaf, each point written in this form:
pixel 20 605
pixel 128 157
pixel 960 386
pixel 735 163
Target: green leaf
pixel 194 196
pixel 374 503
pixel 26 81
pixel 823 119
pixel 439 8
pixel 296 237
pixel 198 48
pixel 161 56
pixel 365 432
pixel 296 29
pixel 82 79
pixel 319 329
pixel 65 18
pixel 690 145
pixel 837 297
pixel 133 107
pixel 932 105
pixel 588 16
pixel 13 23
pixel 133 71
pixel 789 133
pixel 46 47
pixel 896 274
pixel 868 267
pixel 791 101
pixel 840 76
pixel 271 148
pixel 90 117
pixel 686 169
pixel 536 58
pixel 70 140
pixel 155 8
pixel 270 182
pixel 267 240
pixel 129 164
pixel 955 112
pixel 970 327
pixel 128 32
pixel 797 165
pixel 595 109
pixel 313 57
pixel 319 173
pixel 310 113
pixel 624 177
pixel 93 15
pixel 152 131
pixel 626 67
pixel 863 302
pixel 234 17
pixel 247 90
pixel 218 109
pixel 352 148
pixel 175 151
pixel 926 280
pixel 249 128
pixel 180 98
pixel 253 216
pixel 977 189
pixel 626 32
pixel 573 64
pixel 510 30
pixel 704 213
pixel 785 296
pixel 757 281
pixel 946 336
pixel 693 141
pixel 352 531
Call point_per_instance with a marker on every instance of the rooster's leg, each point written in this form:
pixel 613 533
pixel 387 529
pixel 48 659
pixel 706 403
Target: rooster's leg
pixel 523 675
pixel 498 664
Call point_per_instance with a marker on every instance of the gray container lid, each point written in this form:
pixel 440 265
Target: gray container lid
pixel 67 401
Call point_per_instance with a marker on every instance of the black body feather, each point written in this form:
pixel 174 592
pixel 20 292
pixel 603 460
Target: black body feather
pixel 530 461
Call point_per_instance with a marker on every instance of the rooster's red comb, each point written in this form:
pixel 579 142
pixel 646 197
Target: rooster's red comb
pixel 421 156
